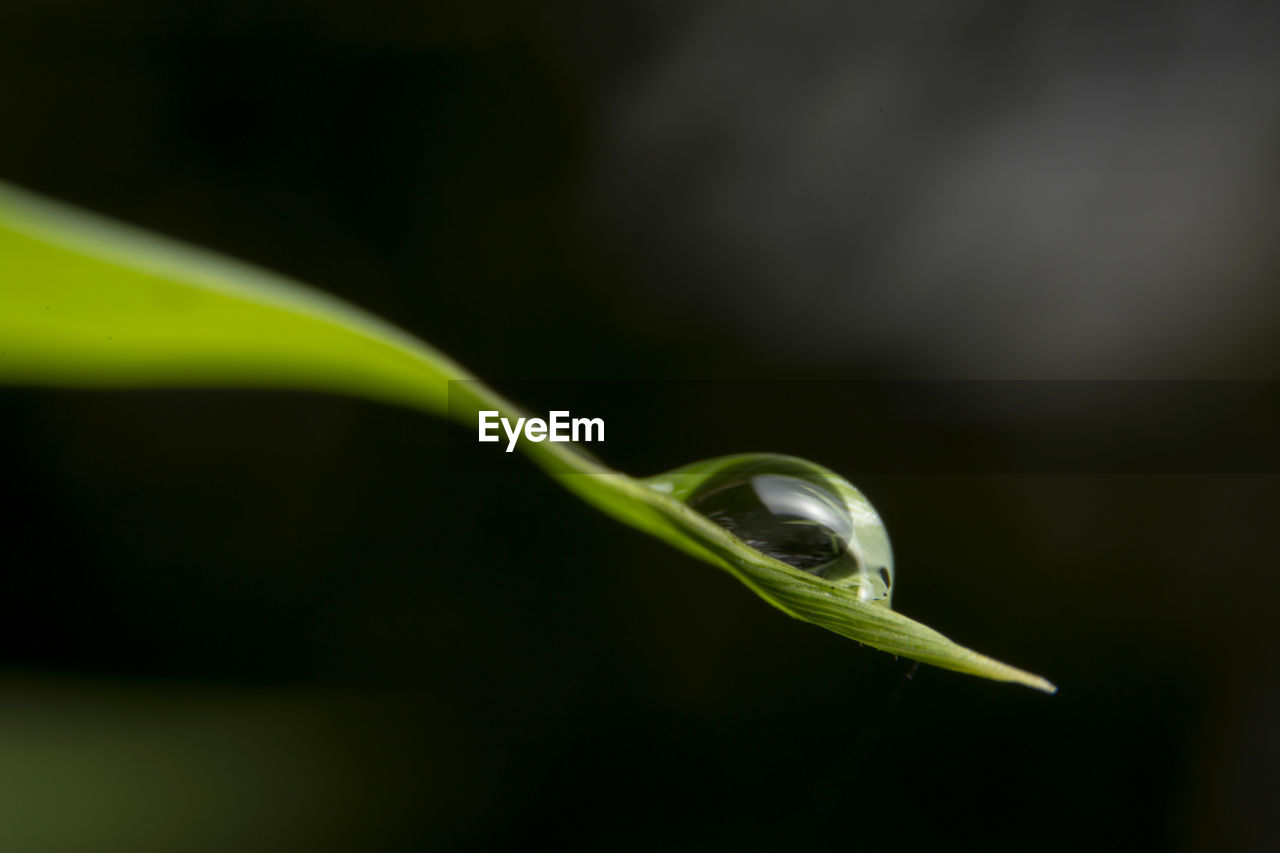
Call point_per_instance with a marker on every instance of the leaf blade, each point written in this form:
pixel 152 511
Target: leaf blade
pixel 87 302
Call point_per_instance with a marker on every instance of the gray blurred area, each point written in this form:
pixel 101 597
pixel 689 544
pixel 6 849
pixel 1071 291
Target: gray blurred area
pixel 272 621
pixel 969 190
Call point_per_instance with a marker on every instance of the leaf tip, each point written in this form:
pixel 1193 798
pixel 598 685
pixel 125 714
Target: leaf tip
pixel 1042 684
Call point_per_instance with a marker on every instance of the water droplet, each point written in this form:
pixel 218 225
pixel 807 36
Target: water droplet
pixel 803 515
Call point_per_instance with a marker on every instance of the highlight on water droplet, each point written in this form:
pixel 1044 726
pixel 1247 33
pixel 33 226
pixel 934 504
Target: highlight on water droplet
pixel 793 511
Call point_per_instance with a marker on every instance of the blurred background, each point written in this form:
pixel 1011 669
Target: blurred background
pixel 267 621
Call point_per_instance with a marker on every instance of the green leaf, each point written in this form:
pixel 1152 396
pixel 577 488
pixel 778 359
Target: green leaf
pixel 89 303
pixel 92 303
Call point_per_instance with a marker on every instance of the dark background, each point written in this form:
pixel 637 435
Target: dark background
pixel 265 621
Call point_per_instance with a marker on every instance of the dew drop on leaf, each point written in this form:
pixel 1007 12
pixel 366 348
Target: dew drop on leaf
pixel 797 513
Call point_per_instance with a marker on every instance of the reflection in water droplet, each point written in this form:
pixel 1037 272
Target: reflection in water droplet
pixel 792 511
